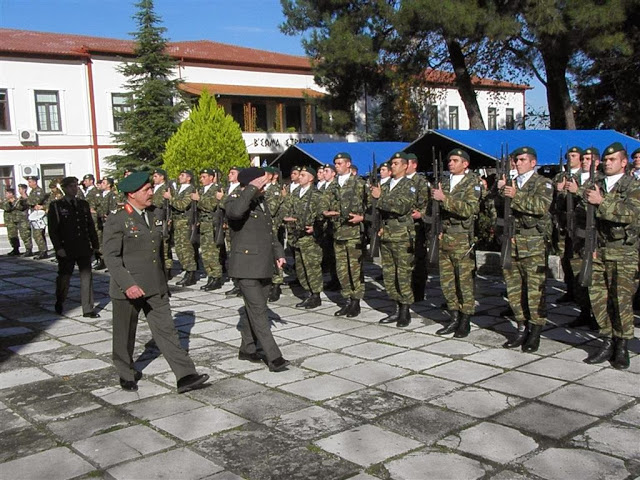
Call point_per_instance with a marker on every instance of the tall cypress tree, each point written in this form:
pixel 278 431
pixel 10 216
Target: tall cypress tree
pixel 156 103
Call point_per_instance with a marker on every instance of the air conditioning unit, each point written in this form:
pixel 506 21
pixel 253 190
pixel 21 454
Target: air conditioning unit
pixel 29 170
pixel 28 136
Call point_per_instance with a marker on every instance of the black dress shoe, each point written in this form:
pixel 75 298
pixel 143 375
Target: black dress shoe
pixel 464 327
pixel 354 308
pixel 100 265
pixel 303 302
pixel 129 385
pixel 344 309
pixel 234 292
pixel 191 382
pixel 188 279
pixel 532 342
pixel 279 364
pixel 91 315
pixel 603 354
pixel 620 360
pixel 58 307
pixel 250 357
pixel 274 293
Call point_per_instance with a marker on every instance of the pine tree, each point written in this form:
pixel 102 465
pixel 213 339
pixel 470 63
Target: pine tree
pixel 209 138
pixel 156 103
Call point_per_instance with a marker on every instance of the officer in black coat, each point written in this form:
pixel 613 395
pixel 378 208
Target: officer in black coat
pixel 75 240
pixel 255 253
pixel 133 253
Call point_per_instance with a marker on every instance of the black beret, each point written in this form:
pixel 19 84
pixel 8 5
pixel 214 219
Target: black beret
pixel 247 174
pixel 296 168
pixel 133 182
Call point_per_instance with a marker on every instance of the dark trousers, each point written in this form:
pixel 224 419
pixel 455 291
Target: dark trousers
pixel 158 312
pixel 65 270
pixel 256 330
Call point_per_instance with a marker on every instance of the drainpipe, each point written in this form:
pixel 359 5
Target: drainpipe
pixel 92 110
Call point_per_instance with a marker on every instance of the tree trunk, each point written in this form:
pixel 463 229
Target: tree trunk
pixel 465 88
pixel 556 60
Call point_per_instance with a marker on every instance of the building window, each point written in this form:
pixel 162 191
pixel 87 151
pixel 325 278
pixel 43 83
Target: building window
pixel 5 125
pixel 293 117
pixel 237 112
pixel 432 116
pixel 48 111
pixel 260 113
pixel 493 118
pixel 509 121
pixel 453 118
pixel 6 180
pixel 120 104
pixel 52 172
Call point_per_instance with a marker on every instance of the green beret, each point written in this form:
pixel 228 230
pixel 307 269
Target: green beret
pixel 354 167
pixel 31 177
pixel 269 170
pixel 401 155
pixel 593 150
pixel 412 156
pixel 235 167
pixel 187 172
pixel 635 152
pixel 133 182
pixel 525 150
pixel 308 169
pixel 385 165
pixel 88 176
pixel 208 171
pixel 342 155
pixel 329 166
pixel 160 171
pixel 613 148
pixel 460 153
pixel 296 168
pixel 573 150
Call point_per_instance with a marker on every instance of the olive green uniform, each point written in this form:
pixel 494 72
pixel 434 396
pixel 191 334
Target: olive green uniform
pixel 180 212
pixel 37 197
pixel 209 251
pixel 419 274
pixel 162 213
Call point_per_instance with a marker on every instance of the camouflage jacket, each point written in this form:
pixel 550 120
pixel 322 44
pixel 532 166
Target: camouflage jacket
pixel 108 204
pixel 11 211
pixel 395 207
pixel 530 207
pixel 181 201
pixel 422 191
pixel 275 201
pixel 460 206
pixel 208 203
pixel 350 198
pixel 307 210
pixel 35 197
pixel 94 197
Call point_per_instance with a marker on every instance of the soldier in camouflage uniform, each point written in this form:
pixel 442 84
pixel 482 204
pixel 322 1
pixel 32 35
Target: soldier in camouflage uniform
pixel 459 195
pixel 232 191
pixel 162 213
pixel 35 200
pixel 275 201
pixel 209 196
pixel 615 266
pixel 304 220
pixel 180 202
pixel 396 201
pixel 347 205
pixel 24 227
pixel 419 274
pixel 531 196
pixel 107 204
pixel 329 185
pixel 93 195
pixel 11 214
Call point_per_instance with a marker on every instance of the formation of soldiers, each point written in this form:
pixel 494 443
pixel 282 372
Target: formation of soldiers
pixel 331 219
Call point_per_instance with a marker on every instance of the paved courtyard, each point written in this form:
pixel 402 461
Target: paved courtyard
pixel 360 401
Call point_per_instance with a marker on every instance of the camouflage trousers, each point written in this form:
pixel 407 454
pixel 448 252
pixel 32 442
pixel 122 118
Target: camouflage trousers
pixel 397 268
pixel 209 251
pixel 580 293
pixel 166 252
pixel 184 247
pixel 349 258
pixel 39 238
pixel 25 232
pixel 278 275
pixel 308 258
pixel 614 282
pixel 456 272
pixel 526 280
pixel 12 232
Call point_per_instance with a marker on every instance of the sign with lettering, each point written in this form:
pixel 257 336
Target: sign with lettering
pixel 261 143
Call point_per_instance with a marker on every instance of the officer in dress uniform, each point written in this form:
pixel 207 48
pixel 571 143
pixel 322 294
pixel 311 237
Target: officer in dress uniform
pixel 531 198
pixel 75 240
pixel 396 201
pixel 615 265
pixel 133 254
pixel 459 196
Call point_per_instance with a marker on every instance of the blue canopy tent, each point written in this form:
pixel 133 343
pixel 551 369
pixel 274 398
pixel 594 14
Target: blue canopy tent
pixel 362 154
pixel 484 146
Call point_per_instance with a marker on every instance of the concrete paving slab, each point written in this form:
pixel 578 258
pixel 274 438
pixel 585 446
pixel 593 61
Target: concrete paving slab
pixel 477 402
pixel 75 366
pixel 416 360
pixel 85 426
pixel 443 466
pixel 226 390
pixel 265 405
pixel 334 341
pixel 420 387
pixel 564 463
pixel 10 420
pixel 587 400
pixel 370 403
pixel 90 337
pixel 271 379
pixel 311 422
pixel 163 406
pixel 60 407
pixel 21 376
pixel 367 445
pixel 57 463
pixel 26 349
pixel 322 387
pixel 491 441
pixel 372 350
pixel 180 463
pixel 412 339
pixel 521 384
pixel 370 373
pixel 611 438
pixel 118 396
pixel 464 372
pixel 454 348
pixel 560 369
pixel 329 362
pixel 630 416
pixel 616 381
pixel 502 358
pixel 198 423
pixel 297 351
pixel 14 331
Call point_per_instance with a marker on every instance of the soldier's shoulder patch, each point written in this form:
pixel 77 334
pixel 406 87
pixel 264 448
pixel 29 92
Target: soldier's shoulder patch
pixel 412 189
pixel 548 184
pixel 128 208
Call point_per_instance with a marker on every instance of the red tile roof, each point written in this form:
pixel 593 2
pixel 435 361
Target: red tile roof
pixel 249 91
pixel 439 77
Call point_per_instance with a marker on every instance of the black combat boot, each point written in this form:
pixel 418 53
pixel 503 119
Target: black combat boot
pixel 15 244
pixel 313 301
pixel 344 310
pixel 392 317
pixel 234 292
pixel 167 274
pixel 453 324
pixel 188 279
pixel 620 358
pixel 603 354
pixel 214 283
pixel 464 327
pixel 28 253
pixel 274 293
pixel 404 315
pixel 533 340
pixel 519 339
pixel 354 308
pixel 99 264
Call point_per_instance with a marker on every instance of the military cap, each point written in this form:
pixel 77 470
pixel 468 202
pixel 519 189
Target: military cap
pixel 308 169
pixel 246 175
pixel 384 164
pixel 460 153
pixel 235 167
pixel 297 168
pixel 593 150
pixel 269 169
pixel 133 182
pixel 412 156
pixel 129 170
pixel 31 177
pixel 613 148
pixel 208 171
pixel 330 166
pixel 573 150
pixel 22 185
pixel 401 155
pixel 525 150
pixel 354 167
pixel 187 172
pixel 342 155
pixel 160 171
pixel 109 180
pixel 635 152
pixel 88 176
pixel 66 181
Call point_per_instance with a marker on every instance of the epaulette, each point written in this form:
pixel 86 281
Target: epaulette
pixel 128 208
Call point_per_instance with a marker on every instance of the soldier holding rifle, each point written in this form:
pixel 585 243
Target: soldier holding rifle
pixel 419 274
pixel 162 213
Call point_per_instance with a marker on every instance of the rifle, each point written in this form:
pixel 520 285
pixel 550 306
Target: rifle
pixel 507 217
pixel 590 235
pixel 571 217
pixel 374 244
pixel 193 221
pixel 436 225
pixel 166 218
